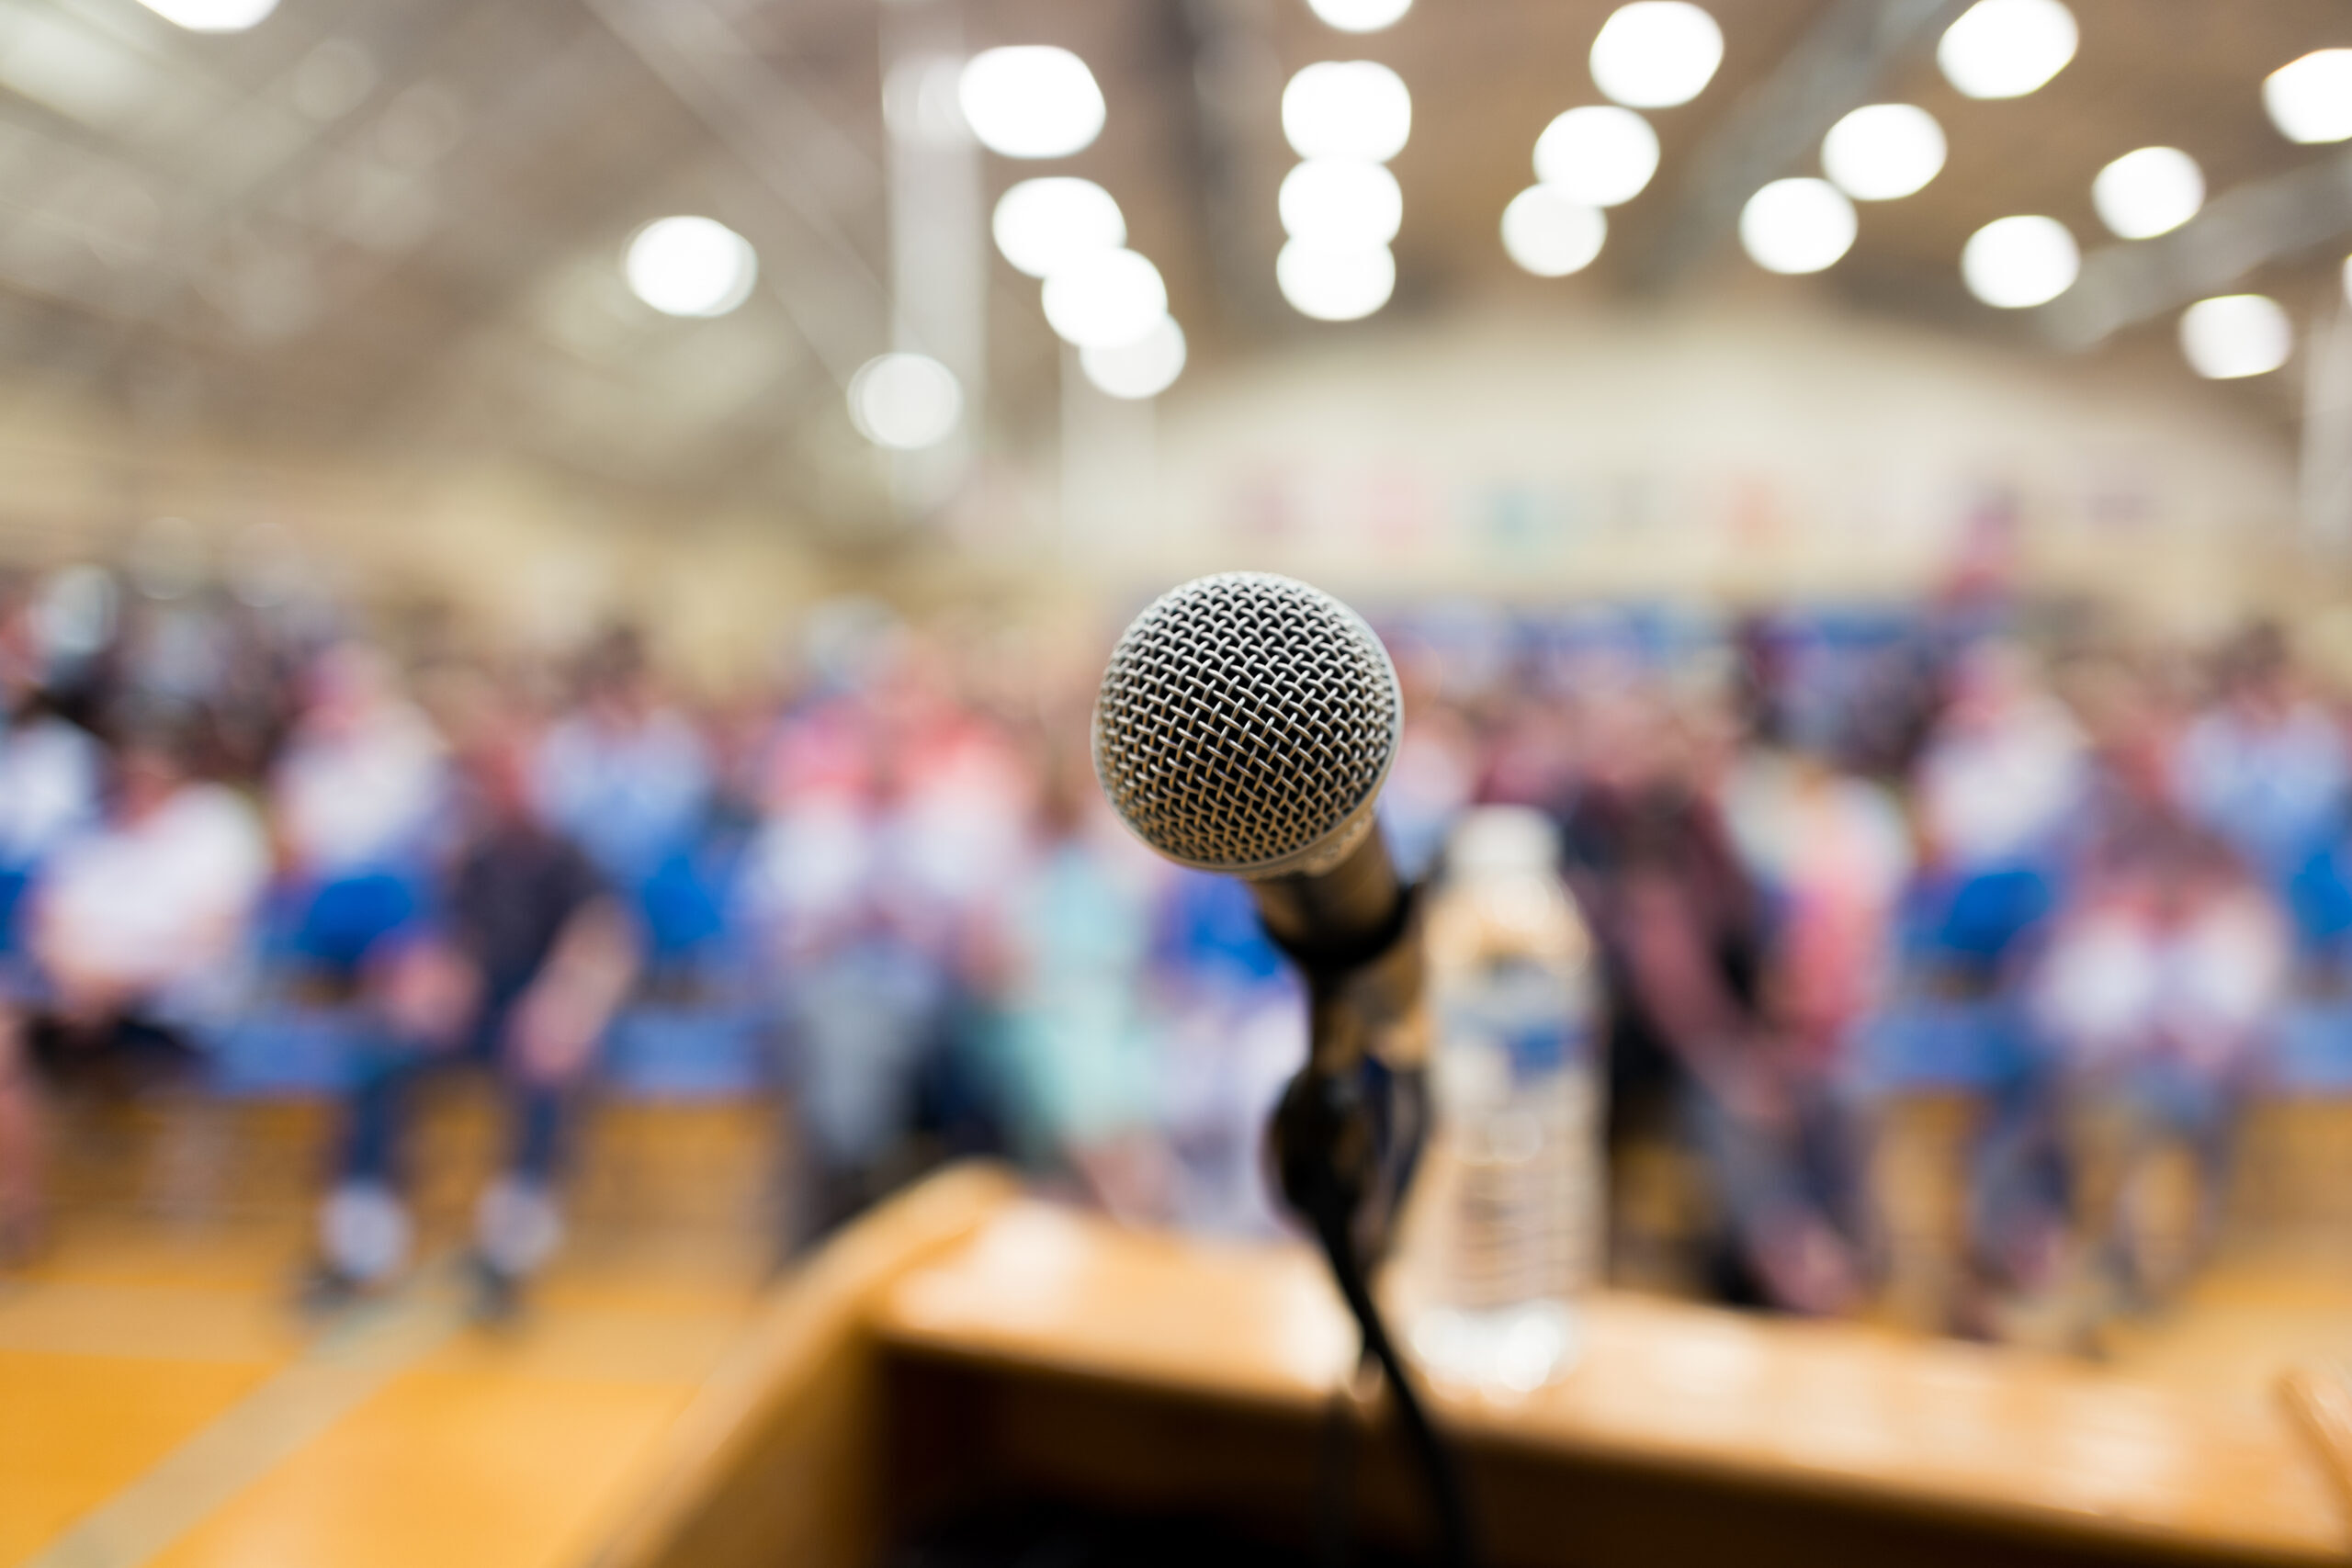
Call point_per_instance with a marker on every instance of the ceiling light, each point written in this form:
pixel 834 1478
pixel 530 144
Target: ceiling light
pixel 691 266
pixel 1344 202
pixel 1352 108
pixel 1360 16
pixel 1654 54
pixel 2234 335
pixel 1551 236
pixel 1106 299
pixel 1144 368
pixel 1797 225
pixel 2005 48
pixel 1333 283
pixel 1031 101
pixel 1883 151
pixel 1044 224
pixel 212 15
pixel 907 401
pixel 2309 99
pixel 1597 155
pixel 2149 192
pixel 2015 261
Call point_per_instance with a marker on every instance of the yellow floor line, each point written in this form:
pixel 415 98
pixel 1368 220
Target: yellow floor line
pixel 346 1363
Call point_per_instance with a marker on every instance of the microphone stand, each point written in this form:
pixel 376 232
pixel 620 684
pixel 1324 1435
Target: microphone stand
pixel 1349 1129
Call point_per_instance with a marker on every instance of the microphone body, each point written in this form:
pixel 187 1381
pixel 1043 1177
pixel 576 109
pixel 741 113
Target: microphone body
pixel 1347 912
pixel 1245 725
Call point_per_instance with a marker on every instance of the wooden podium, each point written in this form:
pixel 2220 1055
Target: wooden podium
pixel 963 1342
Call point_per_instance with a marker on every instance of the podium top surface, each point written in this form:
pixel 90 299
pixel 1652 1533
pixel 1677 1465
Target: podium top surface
pixel 1833 1409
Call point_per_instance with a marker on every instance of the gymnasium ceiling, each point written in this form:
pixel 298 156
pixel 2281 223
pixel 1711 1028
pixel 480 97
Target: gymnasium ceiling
pixel 380 223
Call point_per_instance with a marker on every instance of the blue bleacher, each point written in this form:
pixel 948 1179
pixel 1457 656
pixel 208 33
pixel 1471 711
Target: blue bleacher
pixel 701 1033
pixel 1919 1044
pixel 2311 1051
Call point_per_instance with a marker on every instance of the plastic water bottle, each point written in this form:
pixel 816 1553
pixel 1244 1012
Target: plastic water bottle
pixel 1503 1236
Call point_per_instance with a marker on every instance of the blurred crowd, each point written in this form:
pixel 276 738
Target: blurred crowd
pixel 1831 862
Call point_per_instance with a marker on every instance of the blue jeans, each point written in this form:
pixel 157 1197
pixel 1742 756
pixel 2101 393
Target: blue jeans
pixel 386 1072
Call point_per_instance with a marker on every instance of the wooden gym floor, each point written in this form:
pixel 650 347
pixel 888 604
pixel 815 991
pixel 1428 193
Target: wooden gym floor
pixel 162 1402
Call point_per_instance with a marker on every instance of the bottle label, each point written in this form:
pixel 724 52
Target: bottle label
pixel 1518 1175
pixel 1522 1016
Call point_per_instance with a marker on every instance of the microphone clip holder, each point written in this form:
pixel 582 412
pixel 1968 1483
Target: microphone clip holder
pixel 1348 1131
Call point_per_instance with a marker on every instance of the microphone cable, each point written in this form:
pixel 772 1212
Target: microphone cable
pixel 1328 1212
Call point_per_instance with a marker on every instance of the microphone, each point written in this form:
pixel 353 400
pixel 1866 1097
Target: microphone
pixel 1245 725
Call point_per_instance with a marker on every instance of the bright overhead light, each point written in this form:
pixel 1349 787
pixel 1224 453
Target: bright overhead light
pixel 1334 283
pixel 2234 335
pixel 1551 236
pixel 1144 368
pixel 2309 99
pixel 1882 152
pixel 1347 109
pixel 1044 224
pixel 212 15
pixel 1106 299
pixel 1031 101
pixel 2149 192
pixel 907 401
pixel 691 266
pixel 1360 16
pixel 2005 48
pixel 1654 54
pixel 1797 225
pixel 1597 155
pixel 2012 263
pixel 1342 202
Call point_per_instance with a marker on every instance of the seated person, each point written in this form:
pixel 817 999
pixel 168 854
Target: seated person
pixel 2264 769
pixel 354 797
pixel 519 967
pixel 134 929
pixel 2157 989
pixel 1999 789
pixel 48 787
pixel 627 775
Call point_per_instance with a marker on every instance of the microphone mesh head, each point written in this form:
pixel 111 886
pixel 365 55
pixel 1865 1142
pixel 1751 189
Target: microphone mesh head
pixel 1244 720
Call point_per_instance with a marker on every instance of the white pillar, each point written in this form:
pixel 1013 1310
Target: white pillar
pixel 939 261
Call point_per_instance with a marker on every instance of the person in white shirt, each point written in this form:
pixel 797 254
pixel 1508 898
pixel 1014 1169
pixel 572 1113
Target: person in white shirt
pixel 2158 988
pixel 2266 767
pixel 2005 769
pixel 356 797
pixel 48 787
pixel 134 928
pixel 627 775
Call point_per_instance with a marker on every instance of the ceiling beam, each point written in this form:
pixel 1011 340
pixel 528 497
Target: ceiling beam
pixel 835 296
pixel 2238 232
pixel 1834 69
